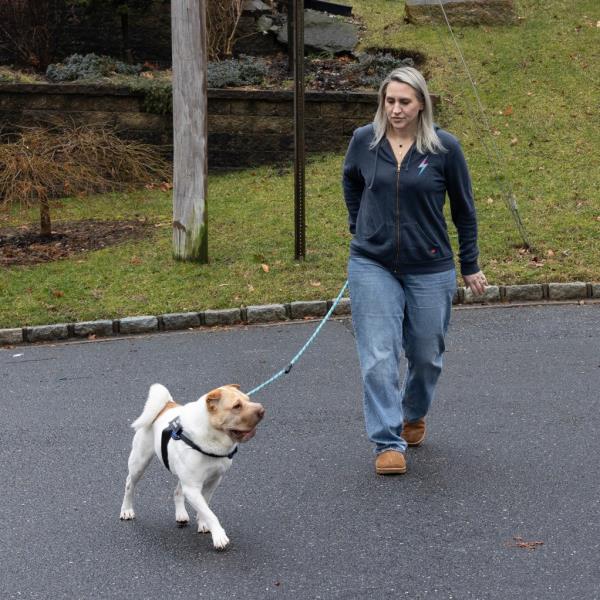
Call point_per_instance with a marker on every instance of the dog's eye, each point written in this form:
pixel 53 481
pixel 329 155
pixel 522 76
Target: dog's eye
pixel 237 406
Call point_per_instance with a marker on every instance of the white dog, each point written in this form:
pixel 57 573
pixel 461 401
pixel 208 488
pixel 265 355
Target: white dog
pixel 196 442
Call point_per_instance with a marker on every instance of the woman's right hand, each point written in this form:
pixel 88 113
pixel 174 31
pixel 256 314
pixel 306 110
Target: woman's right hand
pixel 476 283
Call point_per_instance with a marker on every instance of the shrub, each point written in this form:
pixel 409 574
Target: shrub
pixel 29 30
pixel 244 70
pixel 372 69
pixel 90 66
pixel 43 163
pixel 222 18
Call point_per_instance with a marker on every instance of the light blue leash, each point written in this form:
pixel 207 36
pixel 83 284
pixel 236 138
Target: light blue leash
pixel 308 343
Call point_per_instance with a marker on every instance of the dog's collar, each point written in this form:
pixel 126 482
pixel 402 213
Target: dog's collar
pixel 174 431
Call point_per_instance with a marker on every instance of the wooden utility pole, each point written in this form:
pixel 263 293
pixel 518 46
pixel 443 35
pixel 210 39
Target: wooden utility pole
pixel 190 223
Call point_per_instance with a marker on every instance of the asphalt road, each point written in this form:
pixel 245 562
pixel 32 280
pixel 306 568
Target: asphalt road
pixel 512 457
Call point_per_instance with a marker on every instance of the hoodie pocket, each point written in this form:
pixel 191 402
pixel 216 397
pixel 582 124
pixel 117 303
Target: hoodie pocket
pixel 369 225
pixel 417 246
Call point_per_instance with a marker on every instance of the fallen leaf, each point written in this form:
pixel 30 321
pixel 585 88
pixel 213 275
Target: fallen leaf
pixel 92 336
pixel 315 283
pixel 550 253
pixel 508 111
pixel 490 201
pixel 250 288
pixel 519 542
pixel 265 267
pixel 514 141
pixel 58 293
pixel 135 260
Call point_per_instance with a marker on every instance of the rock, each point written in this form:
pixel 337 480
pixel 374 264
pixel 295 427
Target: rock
pixel 256 6
pixel 87 328
pixel 143 324
pixel 491 294
pixel 313 308
pixel 228 316
pixel 525 292
pixel 343 308
pixel 47 333
pixel 11 336
pixel 324 33
pixel 567 291
pixel 181 320
pixel 461 12
pixel 265 24
pixel 256 36
pixel 266 313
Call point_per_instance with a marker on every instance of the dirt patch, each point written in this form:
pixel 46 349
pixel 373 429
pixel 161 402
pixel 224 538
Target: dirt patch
pixel 24 246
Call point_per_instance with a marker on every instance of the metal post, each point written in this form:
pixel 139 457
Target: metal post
pixel 290 35
pixel 299 212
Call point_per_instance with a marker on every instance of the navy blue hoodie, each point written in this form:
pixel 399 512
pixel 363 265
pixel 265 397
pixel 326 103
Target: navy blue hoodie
pixel 395 212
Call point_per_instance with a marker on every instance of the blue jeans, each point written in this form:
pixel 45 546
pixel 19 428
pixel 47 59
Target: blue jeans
pixel 390 313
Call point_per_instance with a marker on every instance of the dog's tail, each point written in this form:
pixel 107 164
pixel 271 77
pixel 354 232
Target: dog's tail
pixel 158 398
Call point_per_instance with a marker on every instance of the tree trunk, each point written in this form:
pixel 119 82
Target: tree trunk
pixel 45 224
pixel 190 234
pixel 126 53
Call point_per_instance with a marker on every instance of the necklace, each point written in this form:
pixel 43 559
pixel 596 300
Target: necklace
pixel 401 144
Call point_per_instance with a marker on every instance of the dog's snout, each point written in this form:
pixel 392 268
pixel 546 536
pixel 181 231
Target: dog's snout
pixel 260 411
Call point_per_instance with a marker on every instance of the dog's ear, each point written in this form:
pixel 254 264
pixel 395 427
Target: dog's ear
pixel 212 399
pixel 237 386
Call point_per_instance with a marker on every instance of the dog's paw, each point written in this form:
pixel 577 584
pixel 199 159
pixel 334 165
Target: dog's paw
pixel 220 540
pixel 127 515
pixel 182 518
pixel 203 527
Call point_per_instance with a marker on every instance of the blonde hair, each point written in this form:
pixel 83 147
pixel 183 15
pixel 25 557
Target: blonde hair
pixel 427 138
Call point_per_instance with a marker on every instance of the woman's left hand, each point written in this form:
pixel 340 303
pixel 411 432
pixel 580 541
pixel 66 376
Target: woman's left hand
pixel 476 283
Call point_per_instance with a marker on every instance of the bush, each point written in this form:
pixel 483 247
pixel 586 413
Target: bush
pixel 30 29
pixel 372 69
pixel 90 66
pixel 222 19
pixel 45 163
pixel 244 70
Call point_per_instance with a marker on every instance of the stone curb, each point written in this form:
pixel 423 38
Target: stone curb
pixel 269 313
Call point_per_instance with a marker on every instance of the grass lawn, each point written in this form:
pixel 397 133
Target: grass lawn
pixel 539 84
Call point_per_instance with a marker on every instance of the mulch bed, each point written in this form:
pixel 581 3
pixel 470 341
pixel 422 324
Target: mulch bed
pixel 24 246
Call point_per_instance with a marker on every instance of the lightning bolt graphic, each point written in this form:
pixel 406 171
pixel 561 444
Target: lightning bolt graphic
pixel 423 166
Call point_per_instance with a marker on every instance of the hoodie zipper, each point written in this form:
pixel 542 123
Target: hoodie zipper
pixel 398 215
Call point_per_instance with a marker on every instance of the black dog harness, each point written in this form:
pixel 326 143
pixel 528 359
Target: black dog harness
pixel 174 431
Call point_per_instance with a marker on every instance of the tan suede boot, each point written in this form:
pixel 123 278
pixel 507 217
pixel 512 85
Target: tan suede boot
pixel 414 433
pixel 390 462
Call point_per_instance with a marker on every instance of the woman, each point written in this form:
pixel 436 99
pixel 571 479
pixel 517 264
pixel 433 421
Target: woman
pixel 397 172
